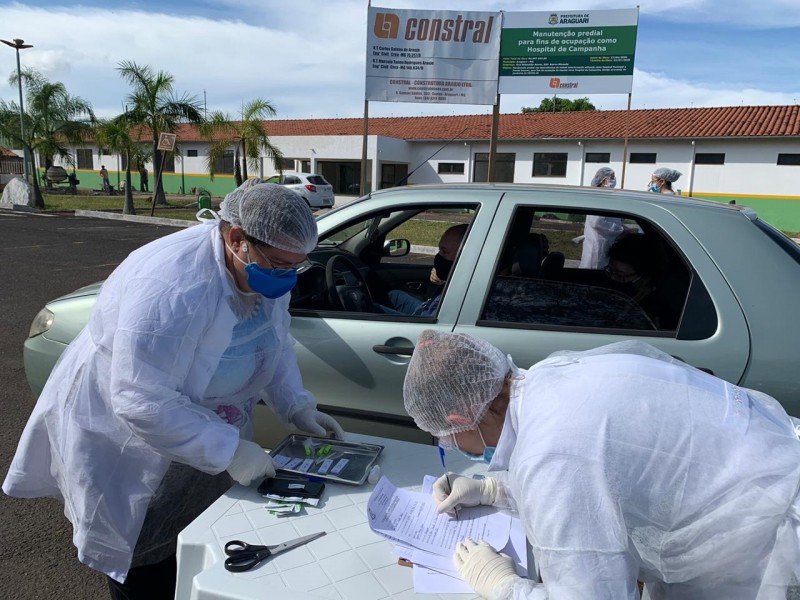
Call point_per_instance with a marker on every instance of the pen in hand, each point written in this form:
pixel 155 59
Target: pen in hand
pixel 447 478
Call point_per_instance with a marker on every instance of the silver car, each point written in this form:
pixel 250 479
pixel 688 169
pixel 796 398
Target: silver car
pixel 316 190
pixel 728 291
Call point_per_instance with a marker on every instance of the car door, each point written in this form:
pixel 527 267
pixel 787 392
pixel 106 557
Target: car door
pixel 355 363
pixel 723 350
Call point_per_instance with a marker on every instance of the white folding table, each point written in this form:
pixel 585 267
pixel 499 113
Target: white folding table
pixel 349 563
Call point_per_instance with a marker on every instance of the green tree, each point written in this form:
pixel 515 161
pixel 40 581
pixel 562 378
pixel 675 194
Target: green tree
pixel 248 136
pixel 54 120
pixel 556 104
pixel 156 107
pixel 115 134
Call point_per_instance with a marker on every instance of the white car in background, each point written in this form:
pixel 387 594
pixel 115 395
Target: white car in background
pixel 314 188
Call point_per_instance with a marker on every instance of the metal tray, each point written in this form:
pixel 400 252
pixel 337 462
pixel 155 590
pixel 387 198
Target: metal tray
pixel 342 462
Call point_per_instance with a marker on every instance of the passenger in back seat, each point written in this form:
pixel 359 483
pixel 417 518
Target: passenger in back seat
pixel 638 262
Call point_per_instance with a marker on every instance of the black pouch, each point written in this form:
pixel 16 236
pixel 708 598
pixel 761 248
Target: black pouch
pixel 287 487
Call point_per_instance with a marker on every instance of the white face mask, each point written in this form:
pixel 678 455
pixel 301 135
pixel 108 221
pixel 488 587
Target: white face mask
pixel 611 182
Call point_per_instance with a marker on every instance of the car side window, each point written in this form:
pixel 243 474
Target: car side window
pixel 635 280
pixel 291 179
pixel 414 282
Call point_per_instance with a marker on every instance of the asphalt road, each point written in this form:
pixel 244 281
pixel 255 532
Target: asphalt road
pixel 43 257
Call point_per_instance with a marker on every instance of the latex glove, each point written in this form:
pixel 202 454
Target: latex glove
pixel 316 423
pixel 465 492
pixel 250 462
pixel 483 568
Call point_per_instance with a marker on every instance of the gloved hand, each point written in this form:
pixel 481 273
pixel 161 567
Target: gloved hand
pixel 250 462
pixel 465 492
pixel 485 569
pixel 316 423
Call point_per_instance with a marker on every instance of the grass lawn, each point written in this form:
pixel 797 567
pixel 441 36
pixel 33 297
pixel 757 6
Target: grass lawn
pixel 174 209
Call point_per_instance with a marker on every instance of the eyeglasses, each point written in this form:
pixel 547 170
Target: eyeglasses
pixel 621 276
pixel 283 269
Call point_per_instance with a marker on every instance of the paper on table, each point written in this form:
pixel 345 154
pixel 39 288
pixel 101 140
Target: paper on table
pixel 410 518
pixel 435 574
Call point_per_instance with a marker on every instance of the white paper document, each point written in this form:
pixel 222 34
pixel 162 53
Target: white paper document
pixel 410 518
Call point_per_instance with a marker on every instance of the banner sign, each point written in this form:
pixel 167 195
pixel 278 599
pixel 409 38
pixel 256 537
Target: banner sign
pixel 429 56
pixel 576 52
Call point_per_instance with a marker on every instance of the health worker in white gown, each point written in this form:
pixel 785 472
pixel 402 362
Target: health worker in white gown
pixel 147 416
pixel 624 465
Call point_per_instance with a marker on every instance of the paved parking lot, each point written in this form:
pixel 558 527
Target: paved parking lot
pixel 41 258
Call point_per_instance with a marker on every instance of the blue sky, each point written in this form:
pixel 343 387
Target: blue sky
pixel 307 56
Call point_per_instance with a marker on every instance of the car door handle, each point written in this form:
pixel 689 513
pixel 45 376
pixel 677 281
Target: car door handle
pixel 402 350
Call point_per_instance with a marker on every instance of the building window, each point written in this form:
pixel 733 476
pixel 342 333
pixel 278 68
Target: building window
pixel 504 167
pixel 789 159
pixel 85 159
pixel 287 164
pixel 643 158
pixel 305 166
pixel 709 158
pixel 598 157
pixel 191 153
pixel 549 164
pixel 105 152
pixel 451 168
pixel 224 164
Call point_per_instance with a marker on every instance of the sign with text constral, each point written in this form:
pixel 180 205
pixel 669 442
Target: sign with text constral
pixel 445 57
pixel 575 52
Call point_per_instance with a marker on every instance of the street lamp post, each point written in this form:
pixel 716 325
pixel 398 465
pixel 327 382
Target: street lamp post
pixel 18 45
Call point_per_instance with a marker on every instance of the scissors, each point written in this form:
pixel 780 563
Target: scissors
pixel 243 556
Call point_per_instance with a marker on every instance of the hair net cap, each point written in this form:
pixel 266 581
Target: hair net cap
pixel 272 214
pixel 601 174
pixel 666 174
pixel 451 381
pixel 229 208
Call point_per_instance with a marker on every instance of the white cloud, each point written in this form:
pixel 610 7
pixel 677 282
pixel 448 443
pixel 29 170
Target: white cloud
pixel 309 61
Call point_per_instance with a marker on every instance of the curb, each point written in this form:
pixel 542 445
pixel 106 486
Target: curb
pixel 136 218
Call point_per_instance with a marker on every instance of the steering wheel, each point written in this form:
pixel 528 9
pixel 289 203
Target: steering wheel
pixel 351 298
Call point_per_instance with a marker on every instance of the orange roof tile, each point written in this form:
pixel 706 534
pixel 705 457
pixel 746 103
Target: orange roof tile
pixel 717 122
pixel 6 153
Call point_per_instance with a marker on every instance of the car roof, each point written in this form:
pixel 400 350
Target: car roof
pixel 664 200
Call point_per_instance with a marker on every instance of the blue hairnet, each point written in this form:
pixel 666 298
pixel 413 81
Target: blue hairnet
pixel 666 174
pixel 601 174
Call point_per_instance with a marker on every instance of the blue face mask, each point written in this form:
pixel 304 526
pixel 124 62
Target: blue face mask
pixel 270 283
pixel 488 451
pixel 654 188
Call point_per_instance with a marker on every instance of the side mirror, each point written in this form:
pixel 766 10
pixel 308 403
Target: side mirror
pixel 396 248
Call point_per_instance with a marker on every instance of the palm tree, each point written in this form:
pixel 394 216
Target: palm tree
pixel 247 134
pixel 115 134
pixel 155 106
pixel 53 120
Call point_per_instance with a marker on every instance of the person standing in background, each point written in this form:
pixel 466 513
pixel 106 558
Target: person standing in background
pixel 104 178
pixel 662 180
pixel 143 183
pixel 599 232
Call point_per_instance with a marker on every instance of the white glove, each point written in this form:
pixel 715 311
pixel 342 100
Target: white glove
pixel 485 569
pixel 316 423
pixel 250 462
pixel 465 492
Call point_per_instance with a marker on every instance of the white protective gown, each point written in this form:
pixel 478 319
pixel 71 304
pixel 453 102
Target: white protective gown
pixel 626 467
pixel 131 393
pixel 599 234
